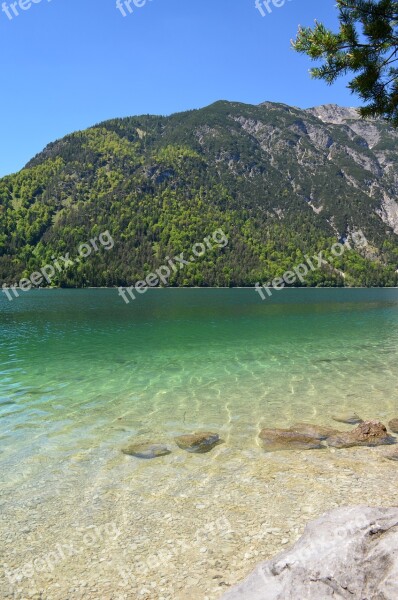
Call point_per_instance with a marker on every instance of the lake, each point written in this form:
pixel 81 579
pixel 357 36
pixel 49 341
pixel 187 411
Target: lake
pixel 82 374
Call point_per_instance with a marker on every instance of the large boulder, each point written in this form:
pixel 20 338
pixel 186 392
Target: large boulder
pixel 198 443
pixel 370 433
pixel 316 431
pixel 273 440
pixel 349 553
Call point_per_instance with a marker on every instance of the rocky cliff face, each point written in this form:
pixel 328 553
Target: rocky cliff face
pixel 332 113
pixel 339 136
pixel 382 140
pixel 348 553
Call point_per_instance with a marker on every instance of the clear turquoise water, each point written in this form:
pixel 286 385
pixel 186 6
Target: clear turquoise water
pixel 77 365
pixel 82 374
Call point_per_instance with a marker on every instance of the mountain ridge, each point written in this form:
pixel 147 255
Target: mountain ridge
pixel 281 181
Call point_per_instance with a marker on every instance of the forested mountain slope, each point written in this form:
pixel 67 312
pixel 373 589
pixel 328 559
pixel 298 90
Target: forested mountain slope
pixel 281 182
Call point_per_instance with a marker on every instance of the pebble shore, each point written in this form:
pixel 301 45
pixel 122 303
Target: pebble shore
pixel 183 526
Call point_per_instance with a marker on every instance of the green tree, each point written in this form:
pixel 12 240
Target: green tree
pixel 365 46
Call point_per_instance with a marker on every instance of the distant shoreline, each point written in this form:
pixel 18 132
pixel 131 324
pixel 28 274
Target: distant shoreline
pixel 236 287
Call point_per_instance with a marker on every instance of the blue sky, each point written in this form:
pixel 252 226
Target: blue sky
pixel 68 64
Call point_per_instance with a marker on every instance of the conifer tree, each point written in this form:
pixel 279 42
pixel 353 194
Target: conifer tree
pixel 366 46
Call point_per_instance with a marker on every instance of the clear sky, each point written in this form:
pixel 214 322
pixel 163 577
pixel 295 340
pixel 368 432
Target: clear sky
pixel 68 64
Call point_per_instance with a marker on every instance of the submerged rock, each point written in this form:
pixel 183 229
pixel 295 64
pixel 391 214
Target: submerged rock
pixel 370 433
pixel 349 552
pixel 393 425
pixel 146 450
pixel 273 440
pixel 392 455
pixel 316 431
pixel 198 442
pixel 348 418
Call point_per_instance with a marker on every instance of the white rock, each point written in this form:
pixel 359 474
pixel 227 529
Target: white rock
pixel 348 553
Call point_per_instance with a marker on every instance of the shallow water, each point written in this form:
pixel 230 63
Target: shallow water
pixel 82 374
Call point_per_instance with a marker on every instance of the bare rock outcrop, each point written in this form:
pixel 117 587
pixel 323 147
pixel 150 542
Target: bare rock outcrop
pixel 347 553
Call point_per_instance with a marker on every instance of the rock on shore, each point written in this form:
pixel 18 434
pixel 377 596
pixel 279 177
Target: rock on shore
pixel 316 431
pixel 348 553
pixel 273 440
pixel 199 443
pixel 146 450
pixel 370 433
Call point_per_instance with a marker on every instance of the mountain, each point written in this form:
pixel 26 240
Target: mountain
pixel 281 182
